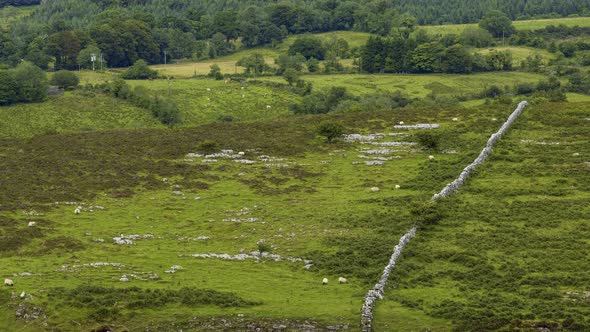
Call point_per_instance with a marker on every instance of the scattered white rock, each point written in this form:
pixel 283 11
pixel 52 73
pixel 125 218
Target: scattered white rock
pixel 23 295
pixel 374 189
pixel 197 198
pixel 418 126
pixel 575 154
pixel 124 279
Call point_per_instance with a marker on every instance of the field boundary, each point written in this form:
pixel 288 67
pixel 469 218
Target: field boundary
pixel 377 291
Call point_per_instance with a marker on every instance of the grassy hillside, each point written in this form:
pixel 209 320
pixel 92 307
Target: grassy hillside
pixel 70 113
pixel 510 249
pixel 304 200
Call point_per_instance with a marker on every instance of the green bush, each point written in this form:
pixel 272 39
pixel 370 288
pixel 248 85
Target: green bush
pixel 65 79
pixel 139 71
pixel 428 140
pixel 330 130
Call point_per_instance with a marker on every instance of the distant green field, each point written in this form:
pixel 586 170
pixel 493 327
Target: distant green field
pixel 519 25
pixel 228 63
pixel 417 85
pixel 519 53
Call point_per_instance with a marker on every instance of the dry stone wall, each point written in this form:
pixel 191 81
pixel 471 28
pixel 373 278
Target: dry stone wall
pixel 377 291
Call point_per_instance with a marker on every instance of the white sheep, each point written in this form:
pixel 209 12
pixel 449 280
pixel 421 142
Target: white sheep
pixel 325 281
pixel 23 295
pixel 241 153
pixel 575 154
pixel 342 280
pixel 455 119
pixel 431 157
pixel 32 223
pixel 208 89
pixel 78 210
pixel 397 186
pixel 374 189
pixel 124 279
pixel 401 123
pixel 9 282
pixel 268 107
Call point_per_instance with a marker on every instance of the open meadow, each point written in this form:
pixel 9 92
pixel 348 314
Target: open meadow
pixel 519 25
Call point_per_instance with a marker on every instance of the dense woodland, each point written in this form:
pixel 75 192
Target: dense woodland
pixel 65 32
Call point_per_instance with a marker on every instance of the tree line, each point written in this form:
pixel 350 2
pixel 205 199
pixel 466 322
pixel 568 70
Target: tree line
pixel 67 32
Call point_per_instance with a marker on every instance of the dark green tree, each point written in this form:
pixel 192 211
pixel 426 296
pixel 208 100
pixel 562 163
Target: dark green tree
pixel 497 23
pixel 330 130
pixel 457 60
pixel 309 47
pixel 32 82
pixel 9 89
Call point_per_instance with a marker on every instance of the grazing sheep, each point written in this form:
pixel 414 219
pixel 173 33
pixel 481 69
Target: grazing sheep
pixel 208 89
pixel 401 123
pixel 325 281
pixel 431 157
pixel 397 186
pixel 78 210
pixel 455 119
pixel 267 107
pixel 241 153
pixel 342 280
pixel 32 223
pixel 9 282
pixel 23 295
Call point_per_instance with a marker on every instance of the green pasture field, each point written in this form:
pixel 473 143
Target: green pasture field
pixel 204 100
pixel 307 199
pixel 417 85
pixel 228 63
pixel 518 53
pixel 510 249
pixel 519 25
pixel 72 112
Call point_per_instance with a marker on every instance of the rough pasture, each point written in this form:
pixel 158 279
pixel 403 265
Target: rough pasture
pixel 300 198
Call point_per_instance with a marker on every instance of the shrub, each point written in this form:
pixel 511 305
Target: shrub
pixel 139 71
pixel 428 140
pixel 207 147
pixel 330 130
pixel 65 79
